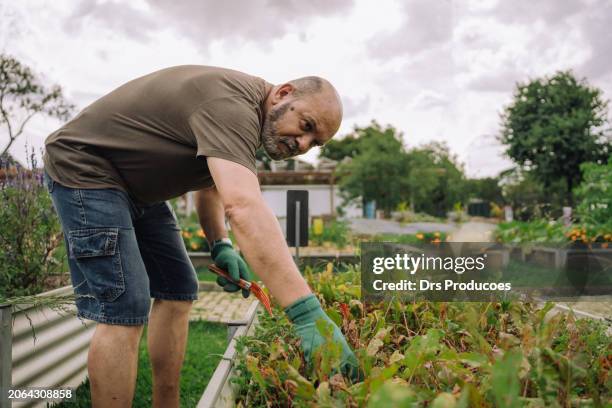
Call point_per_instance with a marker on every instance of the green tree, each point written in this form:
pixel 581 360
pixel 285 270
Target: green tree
pixel 436 180
pixel 429 177
pixel 22 96
pixel 553 126
pixel 378 171
pixel 351 145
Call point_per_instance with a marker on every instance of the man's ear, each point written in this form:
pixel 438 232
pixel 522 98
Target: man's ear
pixel 282 92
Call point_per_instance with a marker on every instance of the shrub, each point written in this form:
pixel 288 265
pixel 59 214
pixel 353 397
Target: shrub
pixel 551 232
pixel 595 194
pixel 194 238
pixel 30 232
pixel 335 232
pixel 541 230
pixel 418 238
pixel 407 216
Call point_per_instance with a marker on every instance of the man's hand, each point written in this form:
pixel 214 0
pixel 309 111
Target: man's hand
pixel 304 314
pixel 225 257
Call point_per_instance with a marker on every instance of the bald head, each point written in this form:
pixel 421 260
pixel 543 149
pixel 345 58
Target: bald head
pixel 322 93
pixel 300 114
pixel 317 86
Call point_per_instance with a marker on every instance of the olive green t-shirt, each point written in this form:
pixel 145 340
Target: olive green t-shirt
pixel 151 136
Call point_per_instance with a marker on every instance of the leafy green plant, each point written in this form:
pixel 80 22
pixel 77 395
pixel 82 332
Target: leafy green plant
pixel 194 238
pixel 335 232
pixel 30 232
pixel 404 216
pixel 551 232
pixel 540 230
pixel 595 194
pixel 418 238
pixel 429 354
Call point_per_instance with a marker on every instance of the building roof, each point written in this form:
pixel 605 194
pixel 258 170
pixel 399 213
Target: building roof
pixel 295 177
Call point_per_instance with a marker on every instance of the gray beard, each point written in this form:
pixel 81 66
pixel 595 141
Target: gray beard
pixel 271 139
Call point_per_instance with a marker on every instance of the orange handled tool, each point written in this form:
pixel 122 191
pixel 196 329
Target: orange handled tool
pixel 253 287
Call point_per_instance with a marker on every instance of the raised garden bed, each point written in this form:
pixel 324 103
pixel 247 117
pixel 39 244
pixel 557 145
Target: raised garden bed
pixel 557 257
pixel 219 392
pixel 41 345
pixel 431 354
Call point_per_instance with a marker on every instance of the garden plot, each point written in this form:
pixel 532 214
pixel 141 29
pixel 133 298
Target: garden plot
pixel 434 354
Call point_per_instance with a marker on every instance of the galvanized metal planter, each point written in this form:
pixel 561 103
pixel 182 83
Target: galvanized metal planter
pixel 551 257
pixel 219 393
pixel 55 358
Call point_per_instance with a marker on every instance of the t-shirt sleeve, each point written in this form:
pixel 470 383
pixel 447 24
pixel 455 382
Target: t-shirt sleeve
pixel 227 128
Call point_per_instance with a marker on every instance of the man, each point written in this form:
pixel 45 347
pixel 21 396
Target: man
pixel 109 172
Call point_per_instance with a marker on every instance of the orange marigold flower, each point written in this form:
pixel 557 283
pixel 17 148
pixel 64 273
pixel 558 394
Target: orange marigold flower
pixel 194 245
pixel 419 236
pixel 201 234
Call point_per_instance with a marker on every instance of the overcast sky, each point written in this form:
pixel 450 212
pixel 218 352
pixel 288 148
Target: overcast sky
pixel 436 70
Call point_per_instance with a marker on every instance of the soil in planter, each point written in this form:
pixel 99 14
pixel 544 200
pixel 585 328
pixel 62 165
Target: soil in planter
pixel 206 343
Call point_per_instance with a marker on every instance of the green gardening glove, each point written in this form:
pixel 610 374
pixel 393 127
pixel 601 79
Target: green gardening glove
pixel 304 313
pixel 225 257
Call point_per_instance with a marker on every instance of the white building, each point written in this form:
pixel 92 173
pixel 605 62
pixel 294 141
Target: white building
pixel 323 195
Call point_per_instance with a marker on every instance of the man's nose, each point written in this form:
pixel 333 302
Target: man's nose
pixel 304 144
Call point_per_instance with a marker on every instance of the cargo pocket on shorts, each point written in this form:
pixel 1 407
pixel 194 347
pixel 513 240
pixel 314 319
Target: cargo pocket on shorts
pixel 96 252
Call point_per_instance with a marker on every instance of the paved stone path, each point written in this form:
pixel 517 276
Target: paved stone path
pixel 376 226
pixel 219 306
pixel 473 231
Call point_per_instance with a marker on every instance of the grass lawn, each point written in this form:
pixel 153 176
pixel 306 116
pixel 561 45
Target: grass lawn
pixel 205 275
pixel 206 343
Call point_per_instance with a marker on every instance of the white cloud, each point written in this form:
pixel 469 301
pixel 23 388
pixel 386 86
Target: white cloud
pixel 434 70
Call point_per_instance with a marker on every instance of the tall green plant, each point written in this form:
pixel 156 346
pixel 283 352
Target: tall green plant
pixel 436 179
pixel 595 194
pixel 378 171
pixel 30 232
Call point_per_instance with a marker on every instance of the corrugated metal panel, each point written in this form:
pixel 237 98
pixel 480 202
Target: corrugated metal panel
pixel 57 358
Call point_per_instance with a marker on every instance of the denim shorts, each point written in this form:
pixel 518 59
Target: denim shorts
pixel 120 254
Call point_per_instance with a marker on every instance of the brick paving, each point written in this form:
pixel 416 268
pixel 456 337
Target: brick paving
pixel 219 306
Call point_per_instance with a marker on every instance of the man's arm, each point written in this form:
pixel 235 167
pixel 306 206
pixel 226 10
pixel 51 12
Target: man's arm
pixel 257 230
pixel 211 213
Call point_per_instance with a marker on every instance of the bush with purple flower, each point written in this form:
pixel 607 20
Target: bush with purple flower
pixel 31 243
